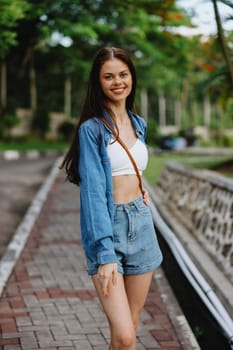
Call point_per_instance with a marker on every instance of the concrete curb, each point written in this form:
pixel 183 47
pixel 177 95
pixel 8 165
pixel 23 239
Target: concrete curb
pixel 213 151
pixel 197 151
pixel 33 154
pixel 176 315
pixel 23 231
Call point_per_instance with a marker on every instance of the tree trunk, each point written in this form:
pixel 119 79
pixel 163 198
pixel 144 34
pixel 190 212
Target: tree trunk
pixel 222 41
pixel 207 111
pixel 162 110
pixel 3 86
pixel 178 113
pixel 33 89
pixel 185 93
pixel 144 103
pixel 67 97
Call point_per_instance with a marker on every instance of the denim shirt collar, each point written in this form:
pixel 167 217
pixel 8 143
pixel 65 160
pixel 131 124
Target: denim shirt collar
pixel 134 121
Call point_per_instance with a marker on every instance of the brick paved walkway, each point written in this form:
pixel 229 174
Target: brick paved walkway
pixel 49 302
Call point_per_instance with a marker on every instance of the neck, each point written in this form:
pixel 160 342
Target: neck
pixel 120 112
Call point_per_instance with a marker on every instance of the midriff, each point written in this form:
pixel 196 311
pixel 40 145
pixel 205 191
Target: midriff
pixel 126 188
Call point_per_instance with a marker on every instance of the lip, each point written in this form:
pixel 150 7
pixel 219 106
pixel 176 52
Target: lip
pixel 118 90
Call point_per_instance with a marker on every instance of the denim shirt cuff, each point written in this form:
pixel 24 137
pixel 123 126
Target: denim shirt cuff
pixel 107 256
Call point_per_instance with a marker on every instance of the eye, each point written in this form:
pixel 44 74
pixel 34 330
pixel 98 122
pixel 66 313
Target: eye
pixel 107 77
pixel 124 74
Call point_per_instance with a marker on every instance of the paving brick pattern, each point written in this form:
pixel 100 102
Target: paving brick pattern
pixel 49 302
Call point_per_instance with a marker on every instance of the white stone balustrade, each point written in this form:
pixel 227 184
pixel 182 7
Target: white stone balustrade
pixel 202 201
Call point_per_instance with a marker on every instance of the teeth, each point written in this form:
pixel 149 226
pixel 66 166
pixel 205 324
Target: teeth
pixel 118 90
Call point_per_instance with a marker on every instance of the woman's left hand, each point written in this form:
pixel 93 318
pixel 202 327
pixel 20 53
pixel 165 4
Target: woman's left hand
pixel 107 275
pixel 146 198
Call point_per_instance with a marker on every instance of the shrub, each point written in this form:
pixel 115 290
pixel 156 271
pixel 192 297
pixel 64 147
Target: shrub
pixel 40 122
pixel 227 141
pixel 65 130
pixel 153 135
pixel 7 121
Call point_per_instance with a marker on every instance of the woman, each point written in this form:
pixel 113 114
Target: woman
pixel 116 225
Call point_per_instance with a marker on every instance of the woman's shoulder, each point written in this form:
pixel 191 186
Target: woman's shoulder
pixel 90 129
pixel 90 123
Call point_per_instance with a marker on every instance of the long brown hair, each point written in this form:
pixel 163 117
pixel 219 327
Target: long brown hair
pixel 94 104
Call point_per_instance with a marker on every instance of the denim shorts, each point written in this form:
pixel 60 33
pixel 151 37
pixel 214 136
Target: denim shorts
pixel 135 241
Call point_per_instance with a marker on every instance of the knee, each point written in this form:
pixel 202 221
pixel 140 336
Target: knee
pixel 126 340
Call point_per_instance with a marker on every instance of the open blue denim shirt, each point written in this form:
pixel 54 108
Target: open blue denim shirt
pixel 96 189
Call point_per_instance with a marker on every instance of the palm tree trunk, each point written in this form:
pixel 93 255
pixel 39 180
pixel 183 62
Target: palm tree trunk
pixel 33 89
pixel 178 113
pixel 162 110
pixel 144 103
pixel 222 41
pixel 67 96
pixel 3 86
pixel 207 111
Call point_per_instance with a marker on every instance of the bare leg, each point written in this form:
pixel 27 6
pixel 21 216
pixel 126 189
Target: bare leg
pixel 137 287
pixel 118 312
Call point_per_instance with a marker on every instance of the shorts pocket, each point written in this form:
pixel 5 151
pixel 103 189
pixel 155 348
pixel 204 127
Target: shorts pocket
pixel 143 209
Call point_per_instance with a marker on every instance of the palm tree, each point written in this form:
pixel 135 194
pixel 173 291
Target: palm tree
pixel 221 37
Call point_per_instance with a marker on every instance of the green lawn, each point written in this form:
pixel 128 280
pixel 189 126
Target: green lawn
pixel 29 145
pixel 157 162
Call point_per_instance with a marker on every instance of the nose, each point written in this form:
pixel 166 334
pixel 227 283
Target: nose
pixel 117 80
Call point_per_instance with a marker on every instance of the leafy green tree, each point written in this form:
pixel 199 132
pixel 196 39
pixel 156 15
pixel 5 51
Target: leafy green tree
pixel 10 13
pixel 135 25
pixel 56 42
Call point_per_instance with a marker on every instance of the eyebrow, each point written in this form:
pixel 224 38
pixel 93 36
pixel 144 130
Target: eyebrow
pixel 123 71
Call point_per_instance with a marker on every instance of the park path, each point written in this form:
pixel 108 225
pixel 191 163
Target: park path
pixel 49 302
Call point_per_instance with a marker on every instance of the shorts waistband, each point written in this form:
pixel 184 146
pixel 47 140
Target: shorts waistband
pixel 136 201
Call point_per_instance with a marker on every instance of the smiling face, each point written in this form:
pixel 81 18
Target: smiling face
pixel 115 80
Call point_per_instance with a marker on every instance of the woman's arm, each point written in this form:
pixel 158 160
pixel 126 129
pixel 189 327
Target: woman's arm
pixel 97 231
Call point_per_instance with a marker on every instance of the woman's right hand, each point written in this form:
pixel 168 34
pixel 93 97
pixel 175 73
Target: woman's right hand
pixel 146 198
pixel 107 275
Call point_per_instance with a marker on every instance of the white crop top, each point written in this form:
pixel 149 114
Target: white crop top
pixel 120 161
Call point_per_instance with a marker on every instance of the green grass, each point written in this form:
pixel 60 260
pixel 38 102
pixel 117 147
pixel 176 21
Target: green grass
pixel 157 162
pixel 29 145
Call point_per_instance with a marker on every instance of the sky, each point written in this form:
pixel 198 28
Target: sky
pixel 204 16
